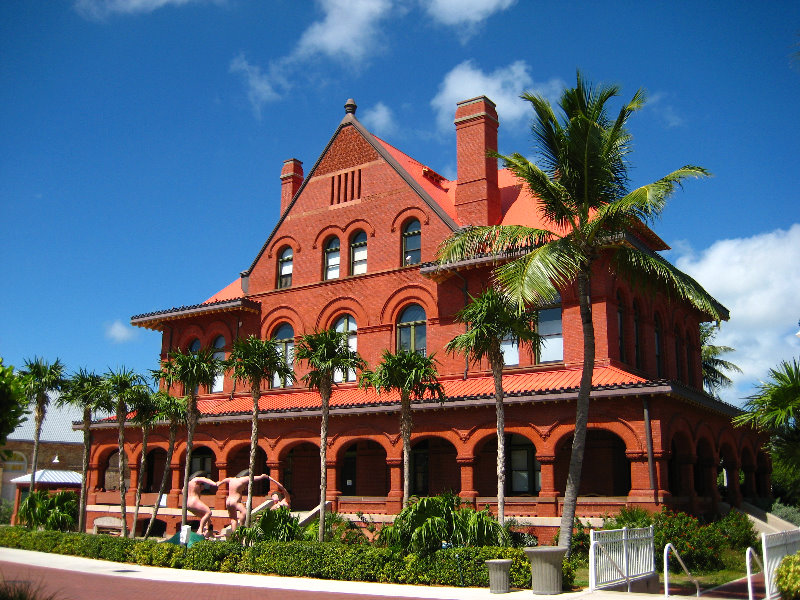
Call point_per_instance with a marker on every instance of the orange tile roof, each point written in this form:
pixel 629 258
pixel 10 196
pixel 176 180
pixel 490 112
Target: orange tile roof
pixel 474 387
pixel 230 292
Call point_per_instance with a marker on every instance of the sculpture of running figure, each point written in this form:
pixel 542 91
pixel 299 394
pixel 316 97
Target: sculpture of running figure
pixel 196 506
pixel 281 497
pixel 237 487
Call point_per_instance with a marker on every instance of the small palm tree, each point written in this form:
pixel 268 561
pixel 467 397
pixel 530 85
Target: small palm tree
pixel 412 375
pixel 145 416
pixel 126 388
pixel 325 353
pixel 714 367
pixel 582 194
pixel 193 370
pixel 491 318
pixel 172 410
pixel 39 378
pixel 256 361
pixel 85 390
pixel 776 404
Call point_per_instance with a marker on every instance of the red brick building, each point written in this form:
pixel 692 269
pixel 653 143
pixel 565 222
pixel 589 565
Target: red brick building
pixel 353 249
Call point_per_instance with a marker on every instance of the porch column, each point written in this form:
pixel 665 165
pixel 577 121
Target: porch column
pixel 92 483
pixel 548 494
pixel 275 470
pixel 332 492
pixel 467 467
pixel 222 491
pixel 640 477
pixel 734 491
pixel 174 496
pixel 749 487
pixel 394 501
pixel 662 476
pixel 686 472
pixel 130 495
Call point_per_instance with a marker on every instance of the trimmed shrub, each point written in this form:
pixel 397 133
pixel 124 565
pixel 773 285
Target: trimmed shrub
pixel 699 546
pixel 787 577
pixel 737 530
pixel 208 555
pixel 787 513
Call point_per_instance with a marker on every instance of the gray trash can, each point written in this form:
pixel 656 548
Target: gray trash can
pixel 546 568
pixel 499 575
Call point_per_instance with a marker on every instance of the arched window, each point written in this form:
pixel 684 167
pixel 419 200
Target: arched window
pixel 358 253
pixel 284 337
pixel 194 346
pixel 411 329
pixel 332 259
pixel 659 349
pixel 621 326
pixel 509 346
pixel 678 354
pixel 219 354
pixel 637 336
pixel 690 361
pixel 285 268
pixel 549 328
pixel 347 325
pixel 412 243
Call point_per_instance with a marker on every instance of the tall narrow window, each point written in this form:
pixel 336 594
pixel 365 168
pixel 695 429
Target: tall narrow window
pixel 347 325
pixel 659 350
pixel 412 243
pixel 678 354
pixel 284 337
pixel 524 470
pixel 509 346
pixel 621 327
pixel 219 354
pixel 285 268
pixel 332 258
pixel 690 361
pixel 411 329
pixel 637 333
pixel 549 328
pixel 358 253
pixel 194 348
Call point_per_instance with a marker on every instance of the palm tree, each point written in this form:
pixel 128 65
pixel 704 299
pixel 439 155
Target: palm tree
pixel 39 378
pixel 714 367
pixel 326 353
pixel 193 370
pixel 776 403
pixel 85 390
pixel 145 416
pixel 126 388
pixel 256 361
pixel 413 375
pixel 491 318
pixel 582 192
pixel 173 410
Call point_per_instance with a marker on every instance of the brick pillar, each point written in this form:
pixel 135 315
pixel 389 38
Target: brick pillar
pixel 222 491
pixel 548 494
pixel 749 487
pixel 640 476
pixel 394 501
pixel 333 492
pixel 92 483
pixel 174 496
pixel 477 196
pixel 734 491
pixel 275 469
pixel 467 466
pixel 291 180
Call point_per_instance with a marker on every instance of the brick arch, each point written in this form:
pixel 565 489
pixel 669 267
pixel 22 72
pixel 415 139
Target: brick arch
pixel 448 435
pixel 358 225
pixel 283 241
pixel 678 425
pixel 327 232
pixel 487 432
pixel 189 334
pixel 339 307
pixel 613 425
pixel 406 214
pixel 290 439
pixel 180 448
pixel 703 431
pixel 371 434
pixel 727 441
pixel 104 451
pixel 218 328
pixel 239 440
pixel 280 314
pixel 401 298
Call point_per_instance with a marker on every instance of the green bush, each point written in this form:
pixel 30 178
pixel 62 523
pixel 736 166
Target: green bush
pixel 737 530
pixel 6 510
pixel 785 512
pixel 209 555
pixel 699 546
pixel 628 517
pixel 787 577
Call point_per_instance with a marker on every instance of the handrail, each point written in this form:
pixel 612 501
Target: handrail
pixel 596 544
pixel 749 555
pixel 685 570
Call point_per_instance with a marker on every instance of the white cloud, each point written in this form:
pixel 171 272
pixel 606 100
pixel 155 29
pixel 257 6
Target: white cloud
pixel 379 119
pixel 348 31
pixel 664 110
pixel 101 9
pixel 119 332
pixel 260 86
pixel 757 279
pixel 464 12
pixel 503 86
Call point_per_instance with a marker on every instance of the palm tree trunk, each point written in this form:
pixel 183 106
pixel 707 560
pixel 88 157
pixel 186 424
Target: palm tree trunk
pixel 87 443
pixel 37 431
pixel 325 396
pixel 191 421
pixel 140 478
pixel 123 463
pixel 581 413
pixel 405 433
pixel 253 445
pixel 173 430
pixel 496 362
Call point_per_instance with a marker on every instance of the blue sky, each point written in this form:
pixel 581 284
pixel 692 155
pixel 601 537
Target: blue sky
pixel 141 141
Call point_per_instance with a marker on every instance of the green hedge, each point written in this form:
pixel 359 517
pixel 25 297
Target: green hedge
pixel 329 560
pixel 787 577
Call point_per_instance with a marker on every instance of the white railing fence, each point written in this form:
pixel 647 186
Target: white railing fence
pixel 620 555
pixel 749 556
pixel 670 548
pixel 774 547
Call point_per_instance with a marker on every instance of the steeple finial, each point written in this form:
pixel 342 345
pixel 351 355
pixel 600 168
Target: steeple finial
pixel 350 106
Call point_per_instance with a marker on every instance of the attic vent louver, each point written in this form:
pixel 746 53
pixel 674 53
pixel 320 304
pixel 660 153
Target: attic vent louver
pixel 346 186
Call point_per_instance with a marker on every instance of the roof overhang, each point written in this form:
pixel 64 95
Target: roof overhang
pixel 157 320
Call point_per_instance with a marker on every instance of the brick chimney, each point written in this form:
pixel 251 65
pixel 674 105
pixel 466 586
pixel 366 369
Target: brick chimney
pixel 291 180
pixel 477 194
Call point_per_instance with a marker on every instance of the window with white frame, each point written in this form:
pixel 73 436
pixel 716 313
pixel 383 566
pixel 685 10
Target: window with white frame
pixel 285 268
pixel 347 324
pixel 412 243
pixel 284 338
pixel 219 354
pixel 332 254
pixel 549 329
pixel 358 253
pixel 411 329
pixel 509 346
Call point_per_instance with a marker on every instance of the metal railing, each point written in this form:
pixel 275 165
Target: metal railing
pixel 775 546
pixel 617 555
pixel 749 556
pixel 683 565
